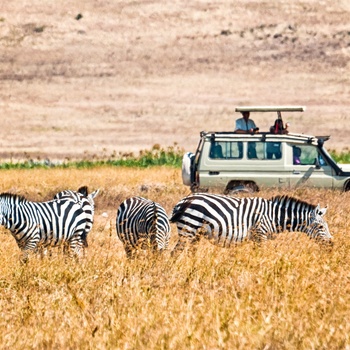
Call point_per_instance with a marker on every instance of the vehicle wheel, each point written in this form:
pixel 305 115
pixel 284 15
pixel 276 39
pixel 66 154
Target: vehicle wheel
pixel 196 189
pixel 347 186
pixel 241 188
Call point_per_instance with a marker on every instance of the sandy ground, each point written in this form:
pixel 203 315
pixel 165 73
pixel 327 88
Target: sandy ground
pixel 98 78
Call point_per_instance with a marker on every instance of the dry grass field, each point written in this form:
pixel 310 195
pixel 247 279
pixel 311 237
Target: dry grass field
pixel 102 77
pixel 289 293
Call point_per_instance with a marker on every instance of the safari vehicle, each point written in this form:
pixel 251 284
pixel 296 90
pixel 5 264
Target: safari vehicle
pixel 233 162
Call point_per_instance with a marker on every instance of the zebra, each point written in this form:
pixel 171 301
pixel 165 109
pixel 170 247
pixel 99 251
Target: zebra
pixel 87 203
pixel 225 220
pixel 38 225
pixel 142 223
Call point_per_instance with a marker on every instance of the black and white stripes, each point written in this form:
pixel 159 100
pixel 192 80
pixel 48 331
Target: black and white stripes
pixel 225 220
pixel 37 225
pixel 142 223
pixel 86 202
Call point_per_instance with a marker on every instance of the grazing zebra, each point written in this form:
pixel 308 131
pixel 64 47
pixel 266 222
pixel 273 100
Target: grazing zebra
pixel 86 202
pixel 142 223
pixel 36 225
pixel 224 220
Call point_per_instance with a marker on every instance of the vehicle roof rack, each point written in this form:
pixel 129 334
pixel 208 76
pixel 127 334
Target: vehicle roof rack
pixel 324 137
pixel 270 109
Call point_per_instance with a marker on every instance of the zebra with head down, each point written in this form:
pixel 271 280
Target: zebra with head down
pixel 225 220
pixel 142 223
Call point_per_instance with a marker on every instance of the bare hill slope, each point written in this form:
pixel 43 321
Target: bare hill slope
pixel 97 78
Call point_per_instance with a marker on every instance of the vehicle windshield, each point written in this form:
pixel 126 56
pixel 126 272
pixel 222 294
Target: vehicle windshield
pixel 328 155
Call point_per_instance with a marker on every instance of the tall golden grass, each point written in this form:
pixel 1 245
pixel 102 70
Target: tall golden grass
pixel 288 293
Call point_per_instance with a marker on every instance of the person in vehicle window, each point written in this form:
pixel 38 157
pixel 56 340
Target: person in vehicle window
pixel 216 151
pixel 245 125
pixel 273 150
pixel 296 155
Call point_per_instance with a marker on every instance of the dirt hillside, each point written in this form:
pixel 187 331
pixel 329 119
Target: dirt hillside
pixel 90 77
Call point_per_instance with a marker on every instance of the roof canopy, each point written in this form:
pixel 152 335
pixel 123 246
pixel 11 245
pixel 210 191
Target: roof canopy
pixel 270 109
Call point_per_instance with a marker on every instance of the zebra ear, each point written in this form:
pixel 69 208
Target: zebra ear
pixel 320 211
pixel 83 190
pixel 94 194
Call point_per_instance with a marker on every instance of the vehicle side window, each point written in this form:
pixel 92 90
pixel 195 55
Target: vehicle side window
pixel 226 150
pixel 252 151
pixel 216 151
pixel 264 150
pixel 305 155
pixel 273 150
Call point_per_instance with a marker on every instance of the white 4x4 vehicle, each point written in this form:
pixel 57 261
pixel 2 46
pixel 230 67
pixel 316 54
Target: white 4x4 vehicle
pixel 230 161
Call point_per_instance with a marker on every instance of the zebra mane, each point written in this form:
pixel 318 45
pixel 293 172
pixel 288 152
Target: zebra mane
pixel 288 200
pixel 16 197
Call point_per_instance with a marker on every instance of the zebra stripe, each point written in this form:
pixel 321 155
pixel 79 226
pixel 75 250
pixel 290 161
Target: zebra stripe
pixel 36 225
pixel 142 223
pixel 225 220
pixel 86 202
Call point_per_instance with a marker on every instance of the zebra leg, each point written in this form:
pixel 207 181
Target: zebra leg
pixel 153 244
pixel 257 235
pixel 182 243
pixel 24 256
pixel 130 251
pixel 30 246
pixel 179 247
pixel 75 247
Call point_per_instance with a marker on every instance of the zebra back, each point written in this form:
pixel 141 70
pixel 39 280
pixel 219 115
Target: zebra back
pixel 142 222
pixel 219 218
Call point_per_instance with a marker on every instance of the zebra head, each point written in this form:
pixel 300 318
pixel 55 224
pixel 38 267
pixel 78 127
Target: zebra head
pixel 318 227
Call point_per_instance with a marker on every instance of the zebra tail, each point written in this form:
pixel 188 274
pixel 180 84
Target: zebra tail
pixel 179 210
pixel 84 239
pixel 155 216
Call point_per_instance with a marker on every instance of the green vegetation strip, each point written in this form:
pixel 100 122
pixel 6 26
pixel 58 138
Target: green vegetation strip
pixel 171 156
pixel 157 156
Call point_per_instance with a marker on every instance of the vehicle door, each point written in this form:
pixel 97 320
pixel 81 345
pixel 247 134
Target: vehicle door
pixel 265 160
pixel 307 167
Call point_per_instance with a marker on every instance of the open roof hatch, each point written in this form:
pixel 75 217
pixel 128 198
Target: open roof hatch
pixel 278 125
pixel 270 109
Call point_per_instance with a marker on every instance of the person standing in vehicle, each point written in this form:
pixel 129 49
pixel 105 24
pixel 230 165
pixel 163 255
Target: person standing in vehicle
pixel 245 125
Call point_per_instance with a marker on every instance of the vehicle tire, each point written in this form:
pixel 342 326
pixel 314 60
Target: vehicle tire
pixel 248 188
pixel 347 187
pixel 196 189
